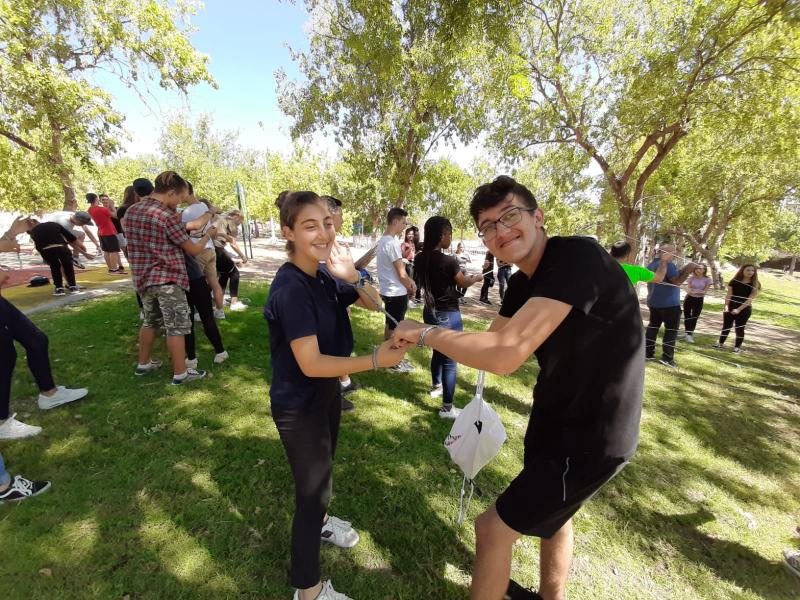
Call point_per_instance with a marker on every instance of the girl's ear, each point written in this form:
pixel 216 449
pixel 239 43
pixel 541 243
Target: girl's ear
pixel 288 234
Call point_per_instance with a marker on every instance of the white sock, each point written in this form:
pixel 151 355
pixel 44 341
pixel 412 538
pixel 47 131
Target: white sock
pixel 144 365
pixel 182 376
pixel 345 382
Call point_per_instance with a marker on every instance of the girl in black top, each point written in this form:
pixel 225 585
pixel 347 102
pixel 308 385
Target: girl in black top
pixel 440 276
pixel 310 343
pixel 742 290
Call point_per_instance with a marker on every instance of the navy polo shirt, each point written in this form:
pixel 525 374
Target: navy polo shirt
pixel 299 305
pixel 661 295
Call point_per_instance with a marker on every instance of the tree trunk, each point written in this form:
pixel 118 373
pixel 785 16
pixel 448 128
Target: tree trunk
pixel 792 265
pixel 63 172
pixel 629 219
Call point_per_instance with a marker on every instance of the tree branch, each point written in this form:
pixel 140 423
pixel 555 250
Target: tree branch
pixel 18 140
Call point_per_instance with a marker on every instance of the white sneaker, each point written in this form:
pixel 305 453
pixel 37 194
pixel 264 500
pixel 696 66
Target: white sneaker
pixel 238 306
pixel 221 357
pixel 219 314
pixel 191 363
pixel 141 315
pixel 327 593
pixel 146 368
pixel 15 430
pixel 436 391
pixel 736 350
pixel 197 318
pixel 690 338
pixel 449 414
pixel 339 533
pixel 62 396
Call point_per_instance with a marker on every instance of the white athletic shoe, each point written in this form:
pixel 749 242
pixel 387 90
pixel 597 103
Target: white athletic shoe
pixel 197 318
pixel 16 430
pixel 62 396
pixel 736 350
pixel 327 593
pixel 339 533
pixel 238 306
pixel 436 391
pixel 449 414
pixel 191 363
pixel 145 369
pixel 690 338
pixel 219 314
pixel 221 357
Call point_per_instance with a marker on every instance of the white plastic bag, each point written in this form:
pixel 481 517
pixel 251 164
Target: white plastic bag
pixel 475 439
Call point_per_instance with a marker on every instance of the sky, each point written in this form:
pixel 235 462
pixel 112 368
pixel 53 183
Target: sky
pixel 246 41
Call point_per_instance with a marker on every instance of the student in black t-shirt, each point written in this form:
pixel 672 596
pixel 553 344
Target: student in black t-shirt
pixel 440 277
pixel 573 307
pixel 742 290
pixel 51 241
pixel 310 343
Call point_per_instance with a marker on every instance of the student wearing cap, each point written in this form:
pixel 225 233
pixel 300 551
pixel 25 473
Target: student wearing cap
pixel 77 224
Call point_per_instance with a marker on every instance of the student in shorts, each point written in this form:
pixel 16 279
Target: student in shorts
pixel 572 306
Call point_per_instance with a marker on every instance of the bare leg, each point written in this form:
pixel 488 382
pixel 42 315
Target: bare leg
pixel 147 336
pixel 555 559
pixel 494 541
pixel 107 258
pixel 216 289
pixel 177 352
pixel 311 593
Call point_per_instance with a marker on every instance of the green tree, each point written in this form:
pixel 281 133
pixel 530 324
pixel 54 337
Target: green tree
pixel 721 189
pixel 448 191
pixel 786 233
pixel 49 50
pixel 625 81
pixel 392 81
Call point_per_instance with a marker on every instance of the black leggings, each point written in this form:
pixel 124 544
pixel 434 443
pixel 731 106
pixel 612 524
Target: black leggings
pixel 728 320
pixel 309 433
pixel 59 258
pixel 692 307
pixel 227 272
pixel 16 326
pixel 199 299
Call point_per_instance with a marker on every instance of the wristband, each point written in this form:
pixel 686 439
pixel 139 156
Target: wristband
pixel 421 341
pixel 374 358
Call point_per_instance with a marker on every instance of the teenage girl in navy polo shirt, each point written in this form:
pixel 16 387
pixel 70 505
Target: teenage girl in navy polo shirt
pixel 310 342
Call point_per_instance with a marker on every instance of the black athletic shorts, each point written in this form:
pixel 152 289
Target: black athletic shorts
pixel 109 243
pixel 550 490
pixel 395 306
pixel 225 263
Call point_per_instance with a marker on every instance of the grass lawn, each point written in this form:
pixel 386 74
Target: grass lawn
pixel 163 492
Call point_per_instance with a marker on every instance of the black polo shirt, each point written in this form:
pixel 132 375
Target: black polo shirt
pixel 588 395
pixel 299 305
pixel 48 233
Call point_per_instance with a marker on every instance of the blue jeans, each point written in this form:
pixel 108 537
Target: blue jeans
pixel 443 369
pixel 4 476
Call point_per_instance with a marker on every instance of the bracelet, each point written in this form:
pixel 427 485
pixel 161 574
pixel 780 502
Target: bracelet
pixel 374 358
pixel 421 341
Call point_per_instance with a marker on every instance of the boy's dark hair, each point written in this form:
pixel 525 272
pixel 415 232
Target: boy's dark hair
pixel 492 194
pixel 91 198
pixel 333 203
pixel 394 214
pixel 191 188
pixel 170 180
pixel 620 249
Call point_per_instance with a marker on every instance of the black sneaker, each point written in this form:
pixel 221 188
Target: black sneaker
pixel 60 292
pixel 74 289
pixel 351 387
pixel 191 375
pixel 347 406
pixel 22 489
pixel 517 592
pixel 650 358
pixel 669 363
pixel 485 301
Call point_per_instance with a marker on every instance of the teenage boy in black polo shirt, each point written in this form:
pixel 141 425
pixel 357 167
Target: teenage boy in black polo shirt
pixel 573 307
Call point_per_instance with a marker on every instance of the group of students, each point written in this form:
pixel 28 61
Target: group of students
pixel 664 279
pixel 582 431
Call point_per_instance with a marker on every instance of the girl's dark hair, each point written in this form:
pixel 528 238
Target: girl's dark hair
pixel 434 232
pixel 129 196
pixel 755 284
pixel 170 181
pixel 492 194
pixel 290 204
pixel 705 269
pixel 415 230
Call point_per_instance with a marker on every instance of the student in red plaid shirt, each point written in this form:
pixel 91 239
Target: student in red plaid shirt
pixel 156 242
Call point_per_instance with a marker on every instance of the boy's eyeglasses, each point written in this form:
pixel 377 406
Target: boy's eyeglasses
pixel 509 218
